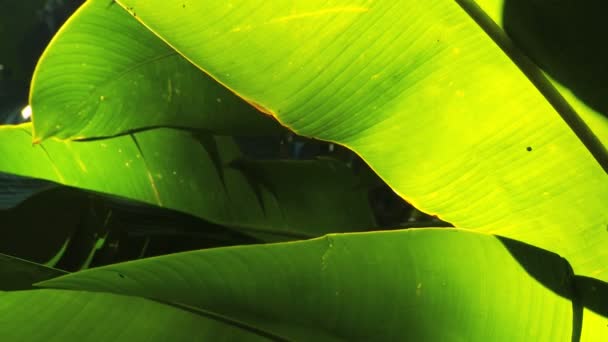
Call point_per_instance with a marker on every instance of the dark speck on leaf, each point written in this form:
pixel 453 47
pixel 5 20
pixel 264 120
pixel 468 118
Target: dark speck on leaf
pixel 529 149
pixel 121 275
pixel 183 5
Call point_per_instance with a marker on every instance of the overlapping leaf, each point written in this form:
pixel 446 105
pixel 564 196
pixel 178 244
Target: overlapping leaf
pixel 422 94
pixel 105 74
pixel 419 284
pixel 561 37
pixel 176 170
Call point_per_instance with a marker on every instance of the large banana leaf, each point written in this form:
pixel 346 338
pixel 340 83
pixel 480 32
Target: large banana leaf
pixel 58 315
pixel 105 74
pixel 561 37
pixel 204 176
pixel 422 94
pixel 419 285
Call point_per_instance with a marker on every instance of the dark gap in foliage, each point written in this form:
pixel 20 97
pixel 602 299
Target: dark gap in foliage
pixel 94 230
pixel 27 28
pixel 139 231
pixel 38 227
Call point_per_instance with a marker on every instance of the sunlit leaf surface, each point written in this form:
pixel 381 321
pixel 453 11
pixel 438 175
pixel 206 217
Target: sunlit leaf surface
pixel 105 74
pixel 422 94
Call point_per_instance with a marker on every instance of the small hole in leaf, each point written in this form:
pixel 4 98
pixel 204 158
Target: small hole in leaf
pixel 529 149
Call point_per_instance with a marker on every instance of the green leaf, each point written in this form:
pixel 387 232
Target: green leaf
pixel 422 94
pixel 56 315
pixel 561 38
pixel 419 284
pixel 104 74
pixel 172 169
pixel 19 274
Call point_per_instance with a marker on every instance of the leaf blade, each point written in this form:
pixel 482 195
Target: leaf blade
pixel 390 89
pixel 77 315
pixel 172 169
pixel 103 75
pixel 381 285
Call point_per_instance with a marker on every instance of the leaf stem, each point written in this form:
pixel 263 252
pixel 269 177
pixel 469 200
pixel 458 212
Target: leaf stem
pixel 536 76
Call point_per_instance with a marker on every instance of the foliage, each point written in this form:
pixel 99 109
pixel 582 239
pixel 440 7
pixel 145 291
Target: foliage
pixel 142 105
